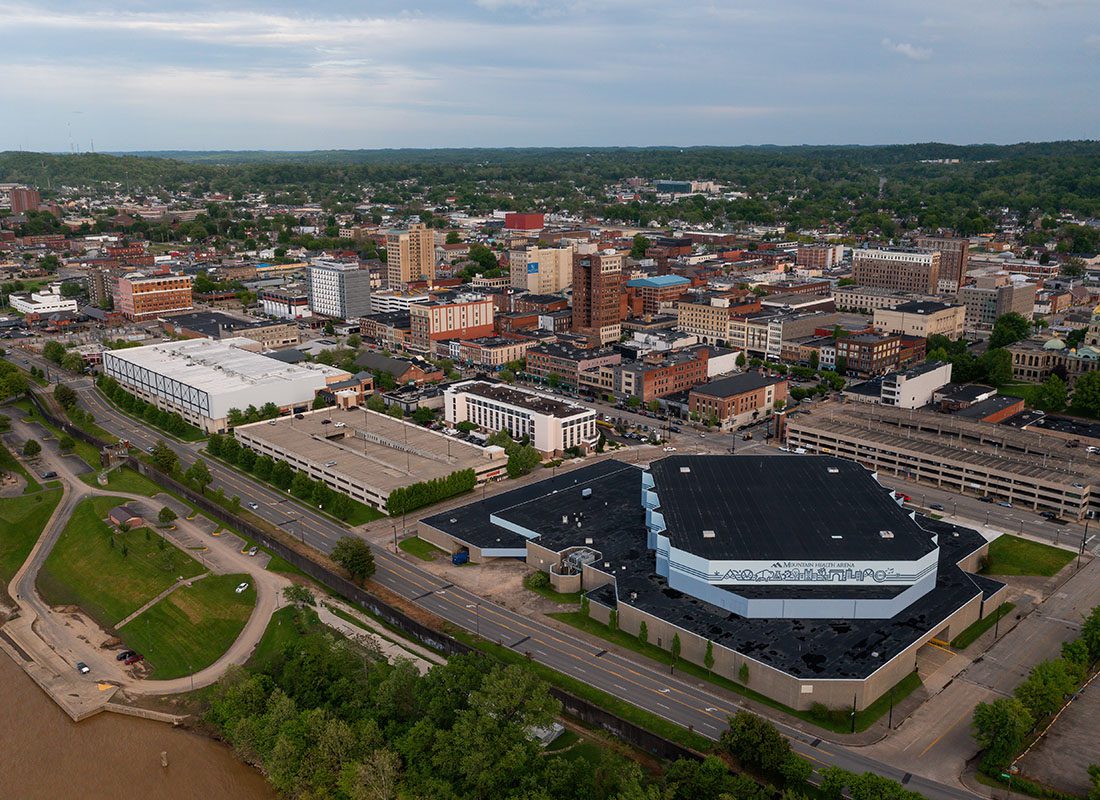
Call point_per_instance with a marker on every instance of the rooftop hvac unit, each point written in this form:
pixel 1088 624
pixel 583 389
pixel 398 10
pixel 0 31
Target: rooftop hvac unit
pixel 586 492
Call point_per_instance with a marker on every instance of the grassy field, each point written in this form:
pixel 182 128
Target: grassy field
pixel 85 451
pixel 424 550
pixel 9 463
pixel 548 591
pixel 84 569
pixel 21 522
pixel 837 720
pixel 286 626
pixel 191 628
pixel 1011 555
pixel 124 479
pixel 971 634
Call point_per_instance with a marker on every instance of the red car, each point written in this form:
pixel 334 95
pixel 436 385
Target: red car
pixel 135 658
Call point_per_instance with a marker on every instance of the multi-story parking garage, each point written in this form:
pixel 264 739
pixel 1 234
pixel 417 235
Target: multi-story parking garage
pixel 999 461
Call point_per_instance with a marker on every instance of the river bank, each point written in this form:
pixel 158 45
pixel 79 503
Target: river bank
pixel 47 755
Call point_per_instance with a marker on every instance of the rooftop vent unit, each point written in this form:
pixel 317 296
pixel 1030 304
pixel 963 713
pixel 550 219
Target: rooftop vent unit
pixel 564 519
pixel 833 470
pixel 586 492
pixel 685 469
pixel 588 540
pixel 708 534
pixel 837 536
pixel 886 534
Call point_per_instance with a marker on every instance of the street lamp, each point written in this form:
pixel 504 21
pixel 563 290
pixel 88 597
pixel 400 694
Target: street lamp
pixel 1084 539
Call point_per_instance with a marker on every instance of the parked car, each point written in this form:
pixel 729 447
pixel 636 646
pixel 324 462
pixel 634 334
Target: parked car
pixel 49 474
pixel 1005 504
pixel 82 668
pixel 253 551
pixel 150 449
pixel 746 437
pixel 134 658
pixel 326 422
pixel 125 654
pixel 985 499
pixel 936 506
pixel 1048 514
pixel 241 588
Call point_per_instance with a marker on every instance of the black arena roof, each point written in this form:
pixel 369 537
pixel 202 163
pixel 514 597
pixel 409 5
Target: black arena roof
pixel 796 507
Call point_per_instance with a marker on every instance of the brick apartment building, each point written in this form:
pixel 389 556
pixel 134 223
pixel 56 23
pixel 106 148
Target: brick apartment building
pixel 907 270
pixel 954 259
pixel 598 298
pixel 459 317
pixel 869 353
pixel 737 400
pixel 566 363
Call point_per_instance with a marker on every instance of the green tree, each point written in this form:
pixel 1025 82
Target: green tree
pixel 31 448
pixel 999 729
pixel 741 360
pixel 53 351
pixel 354 555
pixel 756 743
pixel 675 648
pixel 1008 329
pixel 643 632
pixel 423 416
pixel 66 443
pixel 1086 392
pixel 164 457
pixel 1045 688
pixel 997 366
pixel 64 395
pixel 198 475
pixel 507 376
pixel 708 657
pixel 1051 395
pixel 522 460
pixel 639 246
pixel 166 516
pixel 376 403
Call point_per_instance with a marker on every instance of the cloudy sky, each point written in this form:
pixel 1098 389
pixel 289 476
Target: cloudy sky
pixel 234 74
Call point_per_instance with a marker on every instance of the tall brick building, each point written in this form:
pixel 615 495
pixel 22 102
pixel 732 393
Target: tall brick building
pixel 139 298
pixel 904 270
pixel 598 295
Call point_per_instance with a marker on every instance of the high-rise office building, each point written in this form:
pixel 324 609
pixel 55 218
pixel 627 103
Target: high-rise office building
pixel 598 295
pixel 541 270
pixel 410 255
pixel 994 295
pixel 908 270
pixel 338 290
pixel 954 258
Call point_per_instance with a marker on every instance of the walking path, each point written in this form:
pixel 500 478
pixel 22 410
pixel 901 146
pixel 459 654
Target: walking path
pixel 161 596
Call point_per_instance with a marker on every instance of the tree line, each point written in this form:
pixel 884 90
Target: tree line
pixel 404 499
pixel 281 475
pixel 168 421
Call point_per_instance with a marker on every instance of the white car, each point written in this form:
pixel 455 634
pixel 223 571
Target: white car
pixel 253 506
pixel 253 551
pixel 240 588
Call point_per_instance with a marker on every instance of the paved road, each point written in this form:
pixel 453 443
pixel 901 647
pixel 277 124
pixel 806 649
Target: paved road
pixel 643 684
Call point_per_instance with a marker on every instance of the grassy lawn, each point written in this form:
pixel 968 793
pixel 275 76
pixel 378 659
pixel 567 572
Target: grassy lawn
pixel 971 634
pixel 621 708
pixel 1011 555
pixel 287 625
pixel 548 591
pixel 84 569
pixel 88 453
pixel 837 720
pixel 21 522
pixel 124 479
pixel 9 463
pixel 191 628
pixel 422 549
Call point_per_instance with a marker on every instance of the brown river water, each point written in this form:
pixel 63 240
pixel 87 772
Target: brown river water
pixel 43 754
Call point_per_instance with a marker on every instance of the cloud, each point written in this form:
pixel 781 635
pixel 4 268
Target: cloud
pixel 910 51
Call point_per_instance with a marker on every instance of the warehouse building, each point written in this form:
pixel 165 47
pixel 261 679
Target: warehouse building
pixel 755 564
pixel 202 379
pixel 365 454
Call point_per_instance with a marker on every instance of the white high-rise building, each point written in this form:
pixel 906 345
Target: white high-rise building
pixel 338 290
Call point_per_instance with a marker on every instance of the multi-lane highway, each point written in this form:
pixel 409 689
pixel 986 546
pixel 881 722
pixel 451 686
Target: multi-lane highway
pixel 644 684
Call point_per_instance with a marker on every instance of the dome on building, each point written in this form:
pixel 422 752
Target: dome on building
pixel 1054 344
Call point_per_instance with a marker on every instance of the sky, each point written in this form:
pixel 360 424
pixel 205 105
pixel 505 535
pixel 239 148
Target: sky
pixel 343 74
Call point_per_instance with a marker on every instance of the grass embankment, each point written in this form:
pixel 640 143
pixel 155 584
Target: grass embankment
pixel 108 573
pixel 1011 555
pixel 621 708
pixel 9 463
pixel 422 549
pixel 531 582
pixel 836 720
pixel 192 627
pixel 86 452
pixel 971 634
pixel 21 522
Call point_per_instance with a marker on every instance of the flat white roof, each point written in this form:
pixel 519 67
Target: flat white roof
pixel 224 366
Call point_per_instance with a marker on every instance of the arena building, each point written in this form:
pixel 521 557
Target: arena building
pixel 800 576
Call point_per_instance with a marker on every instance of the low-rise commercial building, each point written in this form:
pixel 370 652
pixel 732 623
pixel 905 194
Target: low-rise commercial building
pixel 285 302
pixel 738 400
pixel 366 455
pixel 461 316
pixel 659 293
pixel 494 351
pixel 563 363
pixel 202 379
pixel 819 256
pixel 270 334
pixel 922 318
pixel 915 387
pixel 868 353
pixel 43 302
pixel 553 425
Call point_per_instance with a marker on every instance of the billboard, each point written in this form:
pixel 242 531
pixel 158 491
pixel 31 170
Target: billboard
pixel 532 267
